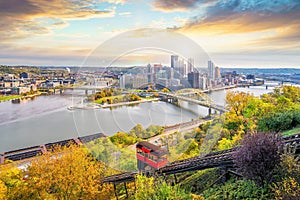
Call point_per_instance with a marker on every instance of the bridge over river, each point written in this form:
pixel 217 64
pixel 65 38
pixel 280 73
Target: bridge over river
pixel 207 104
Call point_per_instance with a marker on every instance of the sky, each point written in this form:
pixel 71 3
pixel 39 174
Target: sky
pixel 234 33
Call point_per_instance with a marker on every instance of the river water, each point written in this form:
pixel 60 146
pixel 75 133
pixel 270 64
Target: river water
pixel 46 118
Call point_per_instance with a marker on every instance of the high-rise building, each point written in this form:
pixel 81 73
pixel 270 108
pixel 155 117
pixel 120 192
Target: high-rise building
pixel 203 82
pixel 193 79
pixel 172 73
pixel 211 70
pixel 181 68
pixel 190 65
pixel 150 73
pixel 133 81
pixel 174 61
pixel 139 80
pixel 217 73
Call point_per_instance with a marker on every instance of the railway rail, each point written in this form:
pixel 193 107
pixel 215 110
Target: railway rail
pixel 212 160
pixel 30 152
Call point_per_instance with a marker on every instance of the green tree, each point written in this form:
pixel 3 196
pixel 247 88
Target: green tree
pixel 238 189
pixel 122 139
pixel 156 189
pixel 138 131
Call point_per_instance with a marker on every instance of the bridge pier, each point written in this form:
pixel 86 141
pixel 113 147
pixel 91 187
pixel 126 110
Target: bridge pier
pixel 224 175
pixel 209 111
pixel 86 92
pixel 126 190
pixel 2 158
pixel 116 192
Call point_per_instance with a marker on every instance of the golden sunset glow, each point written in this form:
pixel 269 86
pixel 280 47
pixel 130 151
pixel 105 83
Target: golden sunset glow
pixel 235 33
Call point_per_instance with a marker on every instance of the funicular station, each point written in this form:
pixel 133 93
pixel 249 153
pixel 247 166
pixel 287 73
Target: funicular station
pixel 150 156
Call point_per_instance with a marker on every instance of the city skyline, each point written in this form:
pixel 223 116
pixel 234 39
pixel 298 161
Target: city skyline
pixel 235 33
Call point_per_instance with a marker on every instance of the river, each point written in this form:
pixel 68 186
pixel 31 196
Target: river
pixel 46 119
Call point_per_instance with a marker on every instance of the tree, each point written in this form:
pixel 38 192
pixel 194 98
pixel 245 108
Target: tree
pixel 292 93
pixel 237 101
pixel 156 189
pixel 153 130
pixel 288 185
pixel 258 157
pixel 10 181
pixel 238 189
pixel 122 159
pixel 224 143
pixel 3 190
pixel 122 139
pixel 165 90
pixel 134 97
pixel 279 121
pixel 68 173
pixel 139 131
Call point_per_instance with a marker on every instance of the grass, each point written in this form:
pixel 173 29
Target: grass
pixel 7 98
pixel 136 90
pixel 291 132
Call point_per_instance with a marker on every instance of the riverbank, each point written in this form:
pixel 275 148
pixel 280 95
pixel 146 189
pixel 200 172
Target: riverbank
pixel 15 97
pixel 128 103
pixel 9 98
pixel 220 88
pixel 92 106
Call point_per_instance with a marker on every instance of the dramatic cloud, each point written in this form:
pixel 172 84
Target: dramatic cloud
pixel 177 5
pixel 21 18
pixel 286 38
pixel 238 16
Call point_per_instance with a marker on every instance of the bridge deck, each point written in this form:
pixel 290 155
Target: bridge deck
pixel 202 103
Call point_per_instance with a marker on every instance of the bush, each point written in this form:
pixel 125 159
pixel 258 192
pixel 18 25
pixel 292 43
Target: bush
pixel 151 189
pixel 122 139
pixel 280 121
pixel 258 157
pixel 288 185
pixel 238 189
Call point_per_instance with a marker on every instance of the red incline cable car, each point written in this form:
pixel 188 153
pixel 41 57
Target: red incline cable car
pixel 150 156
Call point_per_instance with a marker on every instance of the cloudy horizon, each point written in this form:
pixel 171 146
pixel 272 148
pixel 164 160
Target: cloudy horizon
pixel 234 33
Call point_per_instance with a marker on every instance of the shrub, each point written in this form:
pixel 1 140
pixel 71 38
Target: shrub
pixel 288 185
pixel 238 189
pixel 152 189
pixel 258 157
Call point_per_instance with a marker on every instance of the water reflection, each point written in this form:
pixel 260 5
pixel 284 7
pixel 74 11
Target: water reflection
pixel 23 100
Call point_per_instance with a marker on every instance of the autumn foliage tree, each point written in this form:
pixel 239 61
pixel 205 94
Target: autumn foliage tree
pixel 237 102
pixel 288 184
pixel 67 173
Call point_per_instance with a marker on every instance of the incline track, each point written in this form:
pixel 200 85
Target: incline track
pixel 212 160
pixel 33 151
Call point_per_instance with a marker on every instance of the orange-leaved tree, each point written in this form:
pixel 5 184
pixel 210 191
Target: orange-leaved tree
pixel 67 173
